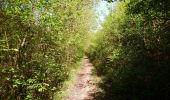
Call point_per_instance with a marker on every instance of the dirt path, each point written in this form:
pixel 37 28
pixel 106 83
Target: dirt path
pixel 84 84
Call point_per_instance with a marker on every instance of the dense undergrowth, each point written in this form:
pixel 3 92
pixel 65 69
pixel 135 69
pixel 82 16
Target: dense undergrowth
pixel 132 51
pixel 40 41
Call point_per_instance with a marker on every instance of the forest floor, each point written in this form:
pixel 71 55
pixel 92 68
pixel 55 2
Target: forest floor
pixel 85 85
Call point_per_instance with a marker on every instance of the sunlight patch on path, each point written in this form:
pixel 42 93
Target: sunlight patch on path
pixel 84 84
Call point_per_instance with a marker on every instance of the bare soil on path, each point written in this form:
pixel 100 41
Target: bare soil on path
pixel 84 85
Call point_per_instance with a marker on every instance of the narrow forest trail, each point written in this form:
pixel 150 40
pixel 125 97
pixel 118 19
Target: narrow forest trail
pixel 84 85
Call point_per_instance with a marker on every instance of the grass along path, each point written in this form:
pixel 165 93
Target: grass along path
pixel 84 85
pixel 60 95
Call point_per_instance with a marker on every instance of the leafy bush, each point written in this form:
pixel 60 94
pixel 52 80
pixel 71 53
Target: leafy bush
pixel 40 40
pixel 132 52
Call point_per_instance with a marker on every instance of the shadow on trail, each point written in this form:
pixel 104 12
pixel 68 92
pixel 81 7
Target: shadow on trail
pixel 100 93
pixel 135 83
pixel 106 89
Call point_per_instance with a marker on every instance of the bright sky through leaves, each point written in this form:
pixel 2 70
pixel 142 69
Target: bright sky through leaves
pixel 103 11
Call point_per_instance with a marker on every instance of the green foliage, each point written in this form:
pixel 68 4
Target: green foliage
pixel 132 51
pixel 40 40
